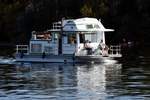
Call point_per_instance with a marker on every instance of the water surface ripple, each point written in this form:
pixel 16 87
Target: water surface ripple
pixel 51 81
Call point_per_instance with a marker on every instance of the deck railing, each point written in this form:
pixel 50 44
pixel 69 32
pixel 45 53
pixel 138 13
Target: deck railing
pixel 115 49
pixel 57 25
pixel 22 48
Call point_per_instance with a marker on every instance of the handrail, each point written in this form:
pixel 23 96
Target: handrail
pixel 115 49
pixel 22 48
pixel 56 25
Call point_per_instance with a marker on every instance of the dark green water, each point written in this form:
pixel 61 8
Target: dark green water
pixel 124 80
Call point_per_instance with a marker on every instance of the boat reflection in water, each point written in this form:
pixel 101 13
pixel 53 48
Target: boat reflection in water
pixel 92 80
pixel 64 81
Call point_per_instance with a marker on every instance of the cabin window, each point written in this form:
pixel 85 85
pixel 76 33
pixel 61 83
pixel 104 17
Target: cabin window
pixel 82 38
pixel 65 40
pixel 55 37
pixel 71 38
pixel 100 36
pixel 96 26
pixel 36 48
pixel 91 37
pixel 90 26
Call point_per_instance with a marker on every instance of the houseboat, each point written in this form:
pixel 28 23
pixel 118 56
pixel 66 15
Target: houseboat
pixel 70 40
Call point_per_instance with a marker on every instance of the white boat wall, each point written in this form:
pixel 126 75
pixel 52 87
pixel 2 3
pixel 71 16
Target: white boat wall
pixel 70 40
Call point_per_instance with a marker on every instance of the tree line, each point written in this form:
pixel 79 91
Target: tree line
pixel 129 18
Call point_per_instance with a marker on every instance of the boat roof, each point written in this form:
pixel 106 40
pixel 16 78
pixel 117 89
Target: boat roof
pixel 81 25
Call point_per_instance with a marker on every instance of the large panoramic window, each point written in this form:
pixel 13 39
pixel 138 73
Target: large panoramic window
pixel 91 37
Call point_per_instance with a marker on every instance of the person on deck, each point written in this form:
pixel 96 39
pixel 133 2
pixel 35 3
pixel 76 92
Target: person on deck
pixel 103 48
pixel 88 47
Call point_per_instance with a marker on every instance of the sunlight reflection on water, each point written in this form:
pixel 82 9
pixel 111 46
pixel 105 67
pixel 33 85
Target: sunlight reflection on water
pixel 55 81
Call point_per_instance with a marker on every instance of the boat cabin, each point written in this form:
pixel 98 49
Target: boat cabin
pixel 43 42
pixel 76 32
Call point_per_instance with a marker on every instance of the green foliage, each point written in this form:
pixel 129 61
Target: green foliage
pixel 129 18
pixel 9 10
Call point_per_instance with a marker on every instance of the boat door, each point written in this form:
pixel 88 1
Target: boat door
pixel 69 43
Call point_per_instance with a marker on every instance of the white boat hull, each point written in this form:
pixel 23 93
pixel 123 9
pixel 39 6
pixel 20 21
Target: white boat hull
pixel 65 59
